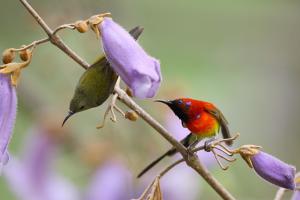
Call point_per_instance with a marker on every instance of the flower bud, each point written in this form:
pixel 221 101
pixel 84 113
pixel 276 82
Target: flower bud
pixel 129 92
pixel 8 56
pixel 269 167
pixel 274 170
pixel 81 26
pixel 137 69
pixel 24 54
pixel 131 115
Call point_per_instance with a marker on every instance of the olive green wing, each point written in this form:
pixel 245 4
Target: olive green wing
pixel 223 122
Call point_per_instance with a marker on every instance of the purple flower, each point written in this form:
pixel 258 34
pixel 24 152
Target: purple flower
pixel 274 170
pixel 137 69
pixel 180 183
pixel 111 181
pixel 8 109
pixel 296 195
pixel 33 178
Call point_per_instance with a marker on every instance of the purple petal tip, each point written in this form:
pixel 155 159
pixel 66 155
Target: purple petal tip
pixel 137 69
pixel 274 170
pixel 8 108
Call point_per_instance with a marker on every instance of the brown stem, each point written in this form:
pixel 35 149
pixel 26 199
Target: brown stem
pixel 150 120
pixel 34 43
pixel 192 161
pixel 280 193
pixel 167 169
pixel 36 16
pixel 56 40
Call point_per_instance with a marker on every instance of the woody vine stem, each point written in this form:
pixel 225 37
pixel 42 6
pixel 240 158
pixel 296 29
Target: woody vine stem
pixel 191 160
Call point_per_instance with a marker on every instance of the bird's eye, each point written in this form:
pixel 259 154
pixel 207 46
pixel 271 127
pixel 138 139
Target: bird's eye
pixel 180 101
pixel 81 107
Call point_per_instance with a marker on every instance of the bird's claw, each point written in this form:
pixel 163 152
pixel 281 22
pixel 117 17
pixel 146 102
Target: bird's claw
pixel 212 146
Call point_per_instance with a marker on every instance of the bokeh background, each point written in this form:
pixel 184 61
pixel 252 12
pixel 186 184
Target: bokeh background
pixel 242 55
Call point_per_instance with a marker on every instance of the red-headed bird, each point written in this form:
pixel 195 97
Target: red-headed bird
pixel 203 119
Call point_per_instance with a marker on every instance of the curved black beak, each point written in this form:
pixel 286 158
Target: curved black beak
pixel 167 102
pixel 70 113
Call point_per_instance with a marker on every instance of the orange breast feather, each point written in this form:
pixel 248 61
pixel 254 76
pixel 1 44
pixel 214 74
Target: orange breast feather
pixel 204 125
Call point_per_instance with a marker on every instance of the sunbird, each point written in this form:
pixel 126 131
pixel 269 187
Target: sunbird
pixel 96 84
pixel 203 119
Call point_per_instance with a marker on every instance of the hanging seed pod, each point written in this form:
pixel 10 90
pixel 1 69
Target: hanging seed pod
pixel 129 92
pixel 81 26
pixel 24 54
pixel 131 115
pixel 8 56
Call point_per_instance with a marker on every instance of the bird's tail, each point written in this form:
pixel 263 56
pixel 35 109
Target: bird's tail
pixel 225 130
pixel 185 142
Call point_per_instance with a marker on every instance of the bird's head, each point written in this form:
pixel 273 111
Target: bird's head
pixel 79 102
pixel 179 106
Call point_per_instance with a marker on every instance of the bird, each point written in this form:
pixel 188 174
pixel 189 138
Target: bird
pixel 96 84
pixel 203 119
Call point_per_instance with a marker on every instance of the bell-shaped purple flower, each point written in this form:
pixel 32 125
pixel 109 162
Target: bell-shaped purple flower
pixel 137 69
pixel 33 178
pixel 111 181
pixel 296 195
pixel 8 109
pixel 274 170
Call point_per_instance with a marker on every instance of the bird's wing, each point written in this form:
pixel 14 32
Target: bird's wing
pixel 222 120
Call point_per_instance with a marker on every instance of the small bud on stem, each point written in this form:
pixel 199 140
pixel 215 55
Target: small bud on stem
pixel 8 56
pixel 131 115
pixel 81 26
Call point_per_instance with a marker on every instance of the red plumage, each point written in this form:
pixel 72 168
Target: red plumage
pixel 202 118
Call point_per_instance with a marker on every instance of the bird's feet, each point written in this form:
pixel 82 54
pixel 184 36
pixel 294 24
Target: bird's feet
pixel 190 152
pixel 208 144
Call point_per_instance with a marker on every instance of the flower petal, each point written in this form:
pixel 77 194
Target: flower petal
pixel 137 69
pixel 112 181
pixel 33 178
pixel 274 170
pixel 8 109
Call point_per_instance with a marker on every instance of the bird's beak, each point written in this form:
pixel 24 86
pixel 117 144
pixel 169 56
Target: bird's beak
pixel 169 103
pixel 70 113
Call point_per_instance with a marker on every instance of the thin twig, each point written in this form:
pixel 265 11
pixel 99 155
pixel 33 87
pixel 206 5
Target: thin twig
pixel 149 119
pixel 34 43
pixel 280 193
pixel 56 40
pixel 68 26
pixel 37 17
pixel 193 160
pixel 167 169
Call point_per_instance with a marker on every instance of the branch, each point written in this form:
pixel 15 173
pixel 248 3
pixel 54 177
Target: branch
pixel 150 120
pixel 280 193
pixel 167 169
pixel 191 160
pixel 56 40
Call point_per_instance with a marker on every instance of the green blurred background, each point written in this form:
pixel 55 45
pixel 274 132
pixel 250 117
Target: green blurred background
pixel 242 55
